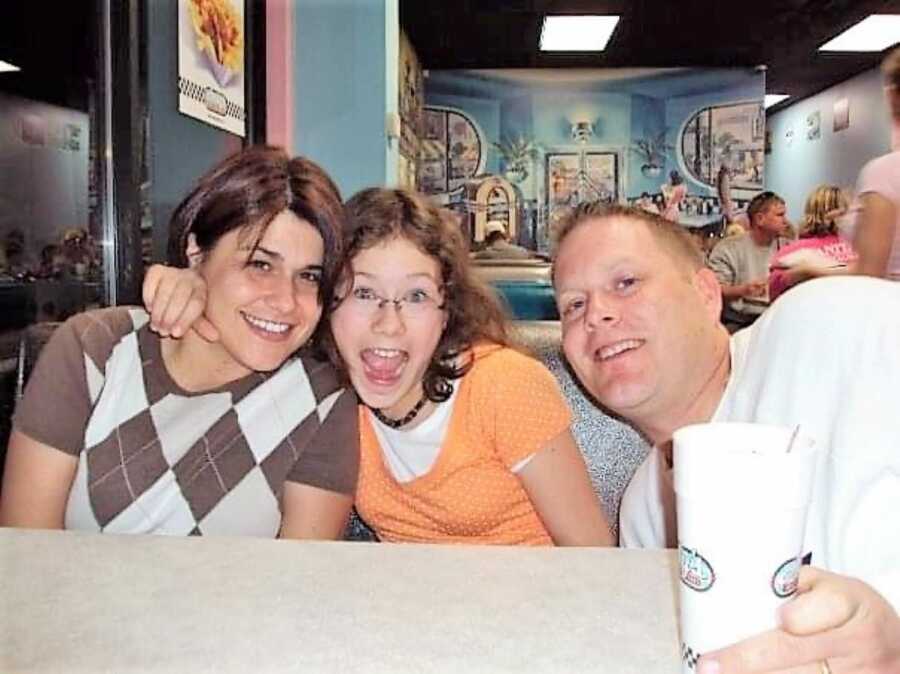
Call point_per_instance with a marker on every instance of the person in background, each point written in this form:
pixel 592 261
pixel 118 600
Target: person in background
pixel 876 230
pixel 741 263
pixel 79 254
pixel 497 245
pixel 463 438
pixel 826 253
pixel 734 229
pixel 53 262
pixel 673 194
pixel 723 190
pixel 640 322
pixel 237 436
pixel 645 203
pixel 20 263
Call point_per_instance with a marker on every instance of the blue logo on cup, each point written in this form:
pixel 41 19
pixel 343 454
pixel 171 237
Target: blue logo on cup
pixel 696 572
pixel 786 578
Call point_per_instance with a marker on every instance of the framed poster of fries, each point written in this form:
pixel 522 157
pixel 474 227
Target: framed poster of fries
pixel 211 63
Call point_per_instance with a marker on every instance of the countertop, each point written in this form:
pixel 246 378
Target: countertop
pixel 76 602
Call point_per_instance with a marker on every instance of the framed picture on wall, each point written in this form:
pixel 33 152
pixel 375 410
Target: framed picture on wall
pixel 211 63
pixel 562 178
pixel 841 114
pixel 574 177
pixel 601 177
pixel 814 125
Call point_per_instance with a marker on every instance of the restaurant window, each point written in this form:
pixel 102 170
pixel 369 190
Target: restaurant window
pixel 52 226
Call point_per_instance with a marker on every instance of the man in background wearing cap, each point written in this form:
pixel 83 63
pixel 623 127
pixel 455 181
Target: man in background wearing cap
pixel 497 245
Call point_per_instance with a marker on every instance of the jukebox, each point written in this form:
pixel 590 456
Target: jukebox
pixel 491 198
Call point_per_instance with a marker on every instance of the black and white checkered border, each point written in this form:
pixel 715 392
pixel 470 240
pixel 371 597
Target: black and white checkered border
pixel 689 656
pixel 197 92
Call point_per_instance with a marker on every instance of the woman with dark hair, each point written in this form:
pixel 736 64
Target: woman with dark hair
pixel 236 436
pixel 463 439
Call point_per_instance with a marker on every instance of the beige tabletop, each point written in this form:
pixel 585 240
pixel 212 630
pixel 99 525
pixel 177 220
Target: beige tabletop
pixel 75 602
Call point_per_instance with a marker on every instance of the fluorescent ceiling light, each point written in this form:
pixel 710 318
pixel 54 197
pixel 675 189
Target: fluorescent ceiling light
pixel 8 67
pixel 772 99
pixel 874 33
pixel 588 32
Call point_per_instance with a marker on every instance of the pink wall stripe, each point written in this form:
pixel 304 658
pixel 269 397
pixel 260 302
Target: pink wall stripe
pixel 279 73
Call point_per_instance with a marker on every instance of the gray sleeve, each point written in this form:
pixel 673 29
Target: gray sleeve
pixel 722 264
pixel 56 405
pixel 330 458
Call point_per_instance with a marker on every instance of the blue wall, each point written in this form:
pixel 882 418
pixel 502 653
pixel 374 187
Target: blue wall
pixel 621 109
pixel 555 112
pixel 345 63
pixel 794 170
pixel 181 148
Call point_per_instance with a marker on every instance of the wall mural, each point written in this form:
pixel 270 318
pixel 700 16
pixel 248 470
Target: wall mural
pixel 726 136
pixel 659 138
pixel 573 177
pixel 411 105
pixel 452 151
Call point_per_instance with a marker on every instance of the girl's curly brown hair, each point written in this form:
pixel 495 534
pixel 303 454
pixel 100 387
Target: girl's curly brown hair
pixel 474 314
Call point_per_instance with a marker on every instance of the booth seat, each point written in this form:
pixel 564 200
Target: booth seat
pixel 612 449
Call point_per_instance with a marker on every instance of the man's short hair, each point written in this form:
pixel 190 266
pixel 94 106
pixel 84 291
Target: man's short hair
pixel 761 202
pixel 670 235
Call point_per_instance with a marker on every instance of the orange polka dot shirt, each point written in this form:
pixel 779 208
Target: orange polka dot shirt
pixel 508 408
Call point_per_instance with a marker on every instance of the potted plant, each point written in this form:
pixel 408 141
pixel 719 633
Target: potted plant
pixel 653 151
pixel 517 153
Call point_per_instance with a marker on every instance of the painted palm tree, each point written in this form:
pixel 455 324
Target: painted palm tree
pixel 517 153
pixel 653 151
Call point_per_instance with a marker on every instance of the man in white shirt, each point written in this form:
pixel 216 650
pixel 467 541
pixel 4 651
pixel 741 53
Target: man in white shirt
pixel 640 317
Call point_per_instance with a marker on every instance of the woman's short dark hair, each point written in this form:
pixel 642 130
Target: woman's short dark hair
pixel 250 189
pixel 474 314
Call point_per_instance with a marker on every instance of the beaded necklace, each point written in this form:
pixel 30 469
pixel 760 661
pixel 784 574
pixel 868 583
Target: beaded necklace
pixel 407 418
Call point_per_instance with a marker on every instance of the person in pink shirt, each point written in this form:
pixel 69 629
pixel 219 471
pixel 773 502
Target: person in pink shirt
pixel 674 193
pixel 825 252
pixel 876 225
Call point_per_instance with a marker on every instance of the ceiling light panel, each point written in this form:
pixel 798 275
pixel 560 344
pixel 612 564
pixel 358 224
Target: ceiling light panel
pixel 577 32
pixel 874 33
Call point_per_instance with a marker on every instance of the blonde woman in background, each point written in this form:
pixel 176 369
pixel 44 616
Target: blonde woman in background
pixel 824 252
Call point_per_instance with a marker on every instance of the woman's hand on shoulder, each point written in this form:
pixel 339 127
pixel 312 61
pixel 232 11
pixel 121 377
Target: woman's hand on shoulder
pixel 835 618
pixel 176 299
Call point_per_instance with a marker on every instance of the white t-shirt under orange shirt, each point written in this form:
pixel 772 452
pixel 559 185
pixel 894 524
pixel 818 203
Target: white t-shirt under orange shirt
pixel 504 410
